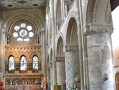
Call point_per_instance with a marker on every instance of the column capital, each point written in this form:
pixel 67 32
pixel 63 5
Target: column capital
pixel 93 28
pixel 60 59
pixel 70 48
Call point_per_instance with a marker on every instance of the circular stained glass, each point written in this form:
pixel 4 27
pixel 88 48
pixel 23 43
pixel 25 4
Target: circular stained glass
pixel 15 34
pixel 27 39
pixel 29 28
pixel 23 33
pixel 16 28
pixel 19 39
pixel 31 34
pixel 23 25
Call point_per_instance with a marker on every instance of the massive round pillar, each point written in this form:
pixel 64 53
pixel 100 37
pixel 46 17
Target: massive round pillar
pixel 100 60
pixel 72 64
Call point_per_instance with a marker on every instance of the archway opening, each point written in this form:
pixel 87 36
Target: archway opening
pixel 60 64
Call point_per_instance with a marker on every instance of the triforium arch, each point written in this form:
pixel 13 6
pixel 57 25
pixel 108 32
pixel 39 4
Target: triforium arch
pixel 97 33
pixel 60 63
pixel 72 55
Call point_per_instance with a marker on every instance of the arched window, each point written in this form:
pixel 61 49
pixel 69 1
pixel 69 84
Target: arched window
pixel 23 63
pixel 11 63
pixel 35 63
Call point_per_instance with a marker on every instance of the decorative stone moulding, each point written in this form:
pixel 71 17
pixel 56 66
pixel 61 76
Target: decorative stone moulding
pixel 71 48
pixel 97 28
pixel 59 59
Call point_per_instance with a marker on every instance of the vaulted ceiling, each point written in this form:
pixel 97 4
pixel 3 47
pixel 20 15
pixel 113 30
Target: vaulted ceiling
pixel 22 3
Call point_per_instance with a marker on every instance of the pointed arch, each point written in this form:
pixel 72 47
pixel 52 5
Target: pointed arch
pixel 60 52
pixel 23 63
pixel 11 62
pixel 35 62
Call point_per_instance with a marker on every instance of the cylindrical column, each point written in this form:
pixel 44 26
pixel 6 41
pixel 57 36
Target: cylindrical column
pixel 99 51
pixel 72 67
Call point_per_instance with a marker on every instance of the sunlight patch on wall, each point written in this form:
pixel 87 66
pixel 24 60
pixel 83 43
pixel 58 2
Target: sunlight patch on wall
pixel 115 34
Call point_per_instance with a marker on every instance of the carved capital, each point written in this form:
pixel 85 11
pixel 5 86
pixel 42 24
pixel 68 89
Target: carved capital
pixel 70 48
pixel 93 28
pixel 60 59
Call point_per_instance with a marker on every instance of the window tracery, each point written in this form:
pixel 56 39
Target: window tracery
pixel 23 32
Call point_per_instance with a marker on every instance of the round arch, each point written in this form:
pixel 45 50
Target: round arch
pixel 16 15
pixel 72 37
pixel 60 46
pixel 98 29
pixel 96 11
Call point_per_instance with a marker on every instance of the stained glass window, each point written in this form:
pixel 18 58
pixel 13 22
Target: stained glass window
pixel 15 34
pixel 11 63
pixel 35 63
pixel 23 32
pixel 16 28
pixel 23 63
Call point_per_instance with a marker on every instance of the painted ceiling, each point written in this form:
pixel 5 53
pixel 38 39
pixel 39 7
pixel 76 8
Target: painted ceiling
pixel 22 3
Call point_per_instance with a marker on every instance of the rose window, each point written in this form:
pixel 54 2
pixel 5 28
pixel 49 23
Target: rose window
pixel 23 32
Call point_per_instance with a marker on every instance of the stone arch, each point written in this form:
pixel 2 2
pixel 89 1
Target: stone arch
pixel 98 30
pixel 95 11
pixel 72 55
pixel 72 37
pixel 21 14
pixel 60 63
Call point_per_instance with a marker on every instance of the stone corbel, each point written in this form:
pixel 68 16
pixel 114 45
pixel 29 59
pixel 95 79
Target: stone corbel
pixel 70 48
pixel 60 59
pixel 93 28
